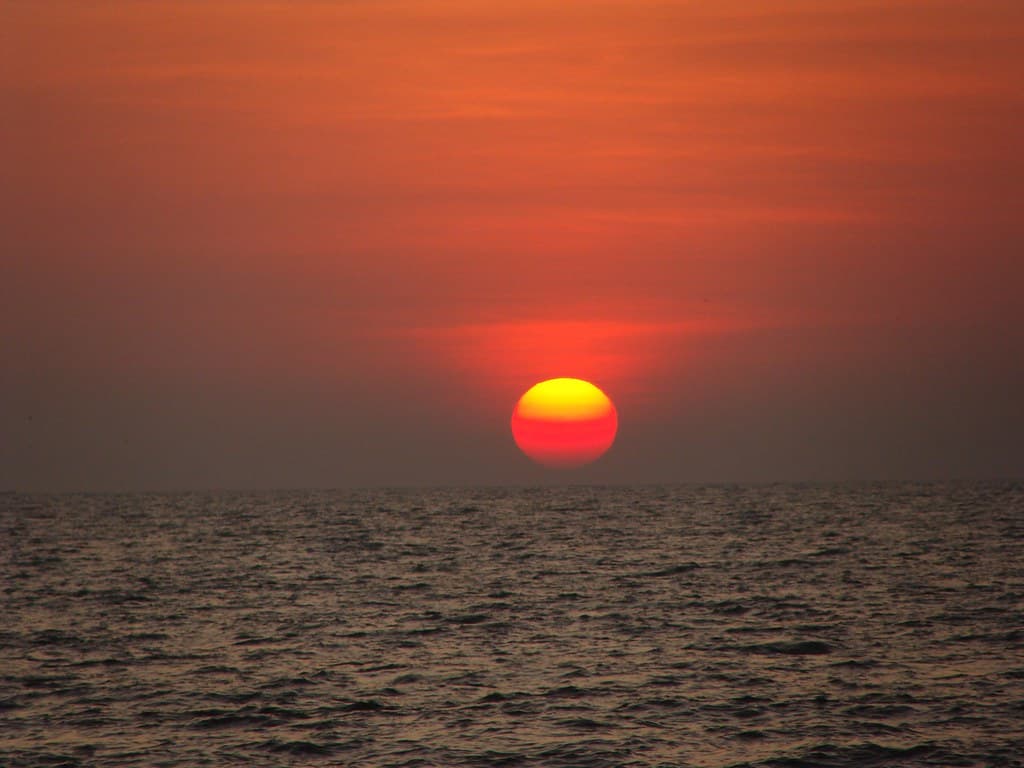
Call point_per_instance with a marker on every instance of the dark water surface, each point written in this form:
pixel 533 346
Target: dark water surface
pixel 690 626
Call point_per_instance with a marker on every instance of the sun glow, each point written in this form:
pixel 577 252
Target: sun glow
pixel 564 423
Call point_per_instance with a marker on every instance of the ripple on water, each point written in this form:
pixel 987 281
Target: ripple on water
pixel 688 626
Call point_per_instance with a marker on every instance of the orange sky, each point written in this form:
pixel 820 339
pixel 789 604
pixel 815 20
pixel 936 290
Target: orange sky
pixel 332 242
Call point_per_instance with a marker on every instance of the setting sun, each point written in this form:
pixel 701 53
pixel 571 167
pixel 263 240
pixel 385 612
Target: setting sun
pixel 564 423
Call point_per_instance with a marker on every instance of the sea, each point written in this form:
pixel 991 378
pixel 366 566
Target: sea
pixel 720 625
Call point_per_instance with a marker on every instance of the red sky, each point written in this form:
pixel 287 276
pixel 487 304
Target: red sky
pixel 330 243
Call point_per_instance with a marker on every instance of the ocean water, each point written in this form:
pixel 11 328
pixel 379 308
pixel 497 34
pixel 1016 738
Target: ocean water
pixel 678 626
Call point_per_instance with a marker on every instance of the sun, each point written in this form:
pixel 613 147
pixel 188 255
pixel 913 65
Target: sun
pixel 564 423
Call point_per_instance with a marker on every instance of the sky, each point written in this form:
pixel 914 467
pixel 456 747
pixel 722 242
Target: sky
pixel 312 243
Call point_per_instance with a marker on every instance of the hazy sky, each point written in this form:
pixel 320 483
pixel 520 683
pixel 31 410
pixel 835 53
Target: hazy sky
pixel 265 244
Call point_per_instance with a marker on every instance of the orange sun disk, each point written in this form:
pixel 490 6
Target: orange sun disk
pixel 564 423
